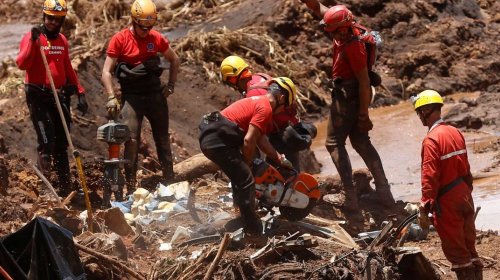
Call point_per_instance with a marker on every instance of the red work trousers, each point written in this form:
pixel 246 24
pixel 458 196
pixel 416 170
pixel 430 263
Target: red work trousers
pixel 455 226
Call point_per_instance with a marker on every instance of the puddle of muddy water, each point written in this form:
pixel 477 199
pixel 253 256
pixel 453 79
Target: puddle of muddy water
pixel 397 136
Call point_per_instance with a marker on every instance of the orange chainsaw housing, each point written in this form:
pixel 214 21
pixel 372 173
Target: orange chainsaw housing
pixel 265 174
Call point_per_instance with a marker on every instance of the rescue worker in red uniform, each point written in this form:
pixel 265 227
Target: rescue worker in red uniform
pixel 132 56
pixel 52 143
pixel 229 138
pixel 351 97
pixel 289 135
pixel 447 187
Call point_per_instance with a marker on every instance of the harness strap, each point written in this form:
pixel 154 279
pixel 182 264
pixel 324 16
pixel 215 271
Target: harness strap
pixel 446 189
pixel 261 85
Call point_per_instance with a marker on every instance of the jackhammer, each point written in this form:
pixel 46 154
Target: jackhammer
pixel 114 134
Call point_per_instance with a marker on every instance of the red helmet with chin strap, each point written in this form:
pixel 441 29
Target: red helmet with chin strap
pixel 336 17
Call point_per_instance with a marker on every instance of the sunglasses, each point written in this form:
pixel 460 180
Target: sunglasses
pixel 53 18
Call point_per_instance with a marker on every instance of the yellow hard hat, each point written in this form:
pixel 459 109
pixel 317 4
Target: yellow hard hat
pixel 56 8
pixel 232 66
pixel 144 13
pixel 427 97
pixel 286 84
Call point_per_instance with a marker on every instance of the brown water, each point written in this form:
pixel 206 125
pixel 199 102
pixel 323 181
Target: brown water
pixel 397 136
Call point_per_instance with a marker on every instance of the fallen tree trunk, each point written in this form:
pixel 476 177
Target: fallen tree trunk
pixel 194 167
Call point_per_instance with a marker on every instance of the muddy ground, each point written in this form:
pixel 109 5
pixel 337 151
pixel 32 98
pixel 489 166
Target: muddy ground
pixel 451 46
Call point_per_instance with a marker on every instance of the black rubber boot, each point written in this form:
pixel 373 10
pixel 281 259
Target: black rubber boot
pixel 382 187
pixel 466 273
pixel 252 224
pixel 343 164
pixel 478 269
pixel 351 199
pixel 44 163
pixel 130 169
pixel 374 164
pixel 61 164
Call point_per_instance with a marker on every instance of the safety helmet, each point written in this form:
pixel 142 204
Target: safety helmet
pixel 335 17
pixel 427 97
pixel 232 66
pixel 286 85
pixel 144 13
pixel 56 8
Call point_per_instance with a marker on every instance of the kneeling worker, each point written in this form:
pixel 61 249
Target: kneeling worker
pixel 229 138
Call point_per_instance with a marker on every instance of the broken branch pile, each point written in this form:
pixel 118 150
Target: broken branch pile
pixel 253 43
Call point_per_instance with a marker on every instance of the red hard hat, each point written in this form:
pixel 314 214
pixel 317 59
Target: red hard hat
pixel 335 17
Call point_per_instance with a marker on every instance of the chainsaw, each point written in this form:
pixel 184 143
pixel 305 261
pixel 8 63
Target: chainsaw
pixel 294 193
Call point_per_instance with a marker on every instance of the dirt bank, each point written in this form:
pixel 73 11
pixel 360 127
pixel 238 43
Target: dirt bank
pixel 448 45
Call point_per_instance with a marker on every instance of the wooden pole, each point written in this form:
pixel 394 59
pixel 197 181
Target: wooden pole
pixel 48 184
pixel 215 263
pixel 5 274
pixel 76 154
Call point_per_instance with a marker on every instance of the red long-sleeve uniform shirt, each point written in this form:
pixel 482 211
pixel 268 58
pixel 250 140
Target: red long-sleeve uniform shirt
pixel 444 159
pixel 57 53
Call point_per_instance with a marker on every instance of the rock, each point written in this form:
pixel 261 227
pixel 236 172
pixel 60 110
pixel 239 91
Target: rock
pixel 457 118
pixel 337 199
pixel 116 222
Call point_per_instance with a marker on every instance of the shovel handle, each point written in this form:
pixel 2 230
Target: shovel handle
pixel 76 155
pixel 5 274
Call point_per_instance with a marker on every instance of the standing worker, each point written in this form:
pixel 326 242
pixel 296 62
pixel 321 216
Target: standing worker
pixel 132 56
pixel 351 97
pixel 52 143
pixel 230 138
pixel 289 135
pixel 447 188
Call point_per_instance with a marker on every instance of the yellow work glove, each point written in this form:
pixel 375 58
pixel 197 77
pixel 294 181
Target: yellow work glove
pixel 285 162
pixel 113 107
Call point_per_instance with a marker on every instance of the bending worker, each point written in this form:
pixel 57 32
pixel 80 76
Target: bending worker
pixel 351 97
pixel 288 135
pixel 229 138
pixel 447 188
pixel 52 143
pixel 132 56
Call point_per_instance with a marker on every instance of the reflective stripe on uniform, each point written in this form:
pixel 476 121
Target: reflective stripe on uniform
pixel 459 152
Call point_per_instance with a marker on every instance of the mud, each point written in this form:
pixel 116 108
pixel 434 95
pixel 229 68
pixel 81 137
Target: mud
pixel 451 46
pixel 398 134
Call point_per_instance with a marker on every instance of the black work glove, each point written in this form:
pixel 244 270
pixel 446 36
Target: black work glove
pixel 364 123
pixel 35 33
pixel 82 105
pixel 168 89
